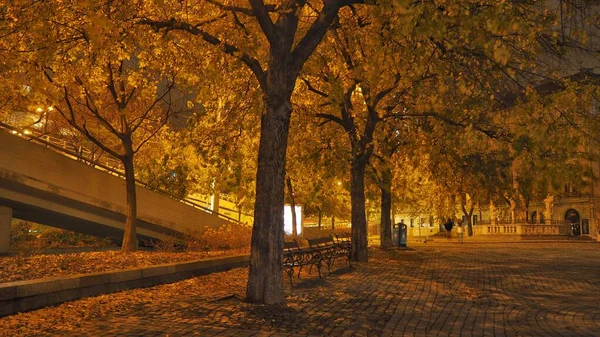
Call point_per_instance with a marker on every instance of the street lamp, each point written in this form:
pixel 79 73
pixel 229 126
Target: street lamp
pixel 44 115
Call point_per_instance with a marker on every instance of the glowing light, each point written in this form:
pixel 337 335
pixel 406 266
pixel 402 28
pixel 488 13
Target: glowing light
pixel 27 132
pixel 50 108
pixel 287 219
pixel 13 132
pixel 39 109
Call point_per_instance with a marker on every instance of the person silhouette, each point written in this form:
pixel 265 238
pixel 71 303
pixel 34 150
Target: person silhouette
pixel 448 225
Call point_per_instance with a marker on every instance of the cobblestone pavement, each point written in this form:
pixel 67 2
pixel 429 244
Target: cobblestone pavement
pixel 519 289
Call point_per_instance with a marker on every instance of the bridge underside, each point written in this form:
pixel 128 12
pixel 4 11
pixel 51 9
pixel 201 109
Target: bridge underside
pixel 41 185
pixel 61 212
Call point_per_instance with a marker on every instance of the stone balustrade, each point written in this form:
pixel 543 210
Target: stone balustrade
pixel 522 229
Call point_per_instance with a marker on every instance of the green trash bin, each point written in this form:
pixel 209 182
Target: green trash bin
pixel 403 234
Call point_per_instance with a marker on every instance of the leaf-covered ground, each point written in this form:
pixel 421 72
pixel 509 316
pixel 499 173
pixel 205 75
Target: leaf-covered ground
pixel 53 321
pixel 20 267
pixel 69 317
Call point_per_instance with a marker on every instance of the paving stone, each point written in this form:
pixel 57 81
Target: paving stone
pixel 533 289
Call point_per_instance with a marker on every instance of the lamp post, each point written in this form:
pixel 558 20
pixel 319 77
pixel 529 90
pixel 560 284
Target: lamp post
pixel 44 113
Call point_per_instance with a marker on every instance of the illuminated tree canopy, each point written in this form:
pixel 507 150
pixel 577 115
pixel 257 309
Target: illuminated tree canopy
pixel 407 93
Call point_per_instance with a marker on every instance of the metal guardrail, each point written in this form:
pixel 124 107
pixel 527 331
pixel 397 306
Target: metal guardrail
pixel 109 165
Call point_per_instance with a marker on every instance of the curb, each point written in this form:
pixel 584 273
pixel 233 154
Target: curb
pixel 28 295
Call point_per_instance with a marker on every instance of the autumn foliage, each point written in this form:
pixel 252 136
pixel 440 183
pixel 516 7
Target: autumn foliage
pixel 227 240
pixel 228 236
pixel 24 235
pixel 439 78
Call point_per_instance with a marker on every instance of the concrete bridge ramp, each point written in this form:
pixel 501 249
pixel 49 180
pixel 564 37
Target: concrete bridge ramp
pixel 38 184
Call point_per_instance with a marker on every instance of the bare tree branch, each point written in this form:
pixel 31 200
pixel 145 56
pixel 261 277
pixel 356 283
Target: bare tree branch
pixel 89 103
pixel 386 91
pixel 262 15
pixel 499 134
pixel 331 118
pixel 70 118
pixel 112 87
pixel 144 116
pixel 312 88
pixel 243 10
pixel 229 49
pixel 315 33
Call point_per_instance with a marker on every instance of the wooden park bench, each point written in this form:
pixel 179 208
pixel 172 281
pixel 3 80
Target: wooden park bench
pixel 294 256
pixel 332 247
pixel 324 249
pixel 344 239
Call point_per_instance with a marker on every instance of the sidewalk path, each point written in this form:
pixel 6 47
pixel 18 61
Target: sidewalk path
pixel 537 289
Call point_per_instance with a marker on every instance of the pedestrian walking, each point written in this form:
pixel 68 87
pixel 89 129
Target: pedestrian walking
pixel 448 227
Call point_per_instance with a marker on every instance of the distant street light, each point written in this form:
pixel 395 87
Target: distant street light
pixel 43 116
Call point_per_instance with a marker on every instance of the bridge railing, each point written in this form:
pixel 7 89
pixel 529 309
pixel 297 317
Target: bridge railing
pixel 104 163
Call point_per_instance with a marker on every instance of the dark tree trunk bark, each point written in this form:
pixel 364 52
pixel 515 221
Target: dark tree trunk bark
pixel 359 216
pixel 470 223
pixel 292 206
pixel 468 214
pixel 265 278
pixel 130 236
pixel 332 222
pixel 320 218
pixel 386 208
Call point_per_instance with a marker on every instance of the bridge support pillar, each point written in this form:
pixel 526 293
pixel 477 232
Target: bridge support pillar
pixel 5 221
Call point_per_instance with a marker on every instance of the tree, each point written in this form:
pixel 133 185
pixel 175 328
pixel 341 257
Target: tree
pixel 160 165
pixel 553 145
pixel 316 161
pixel 221 138
pixel 358 89
pixel 94 66
pixel 280 42
pixel 389 140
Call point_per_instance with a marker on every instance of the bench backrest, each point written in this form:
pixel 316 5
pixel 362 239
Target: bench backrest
pixel 321 242
pixel 344 237
pixel 290 245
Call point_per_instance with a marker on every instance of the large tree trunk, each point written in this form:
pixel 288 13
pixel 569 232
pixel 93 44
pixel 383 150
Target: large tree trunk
pixel 293 207
pixel 130 235
pixel 467 213
pixel 385 233
pixel 332 222
pixel 359 217
pixel 320 217
pixel 469 216
pixel 265 279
